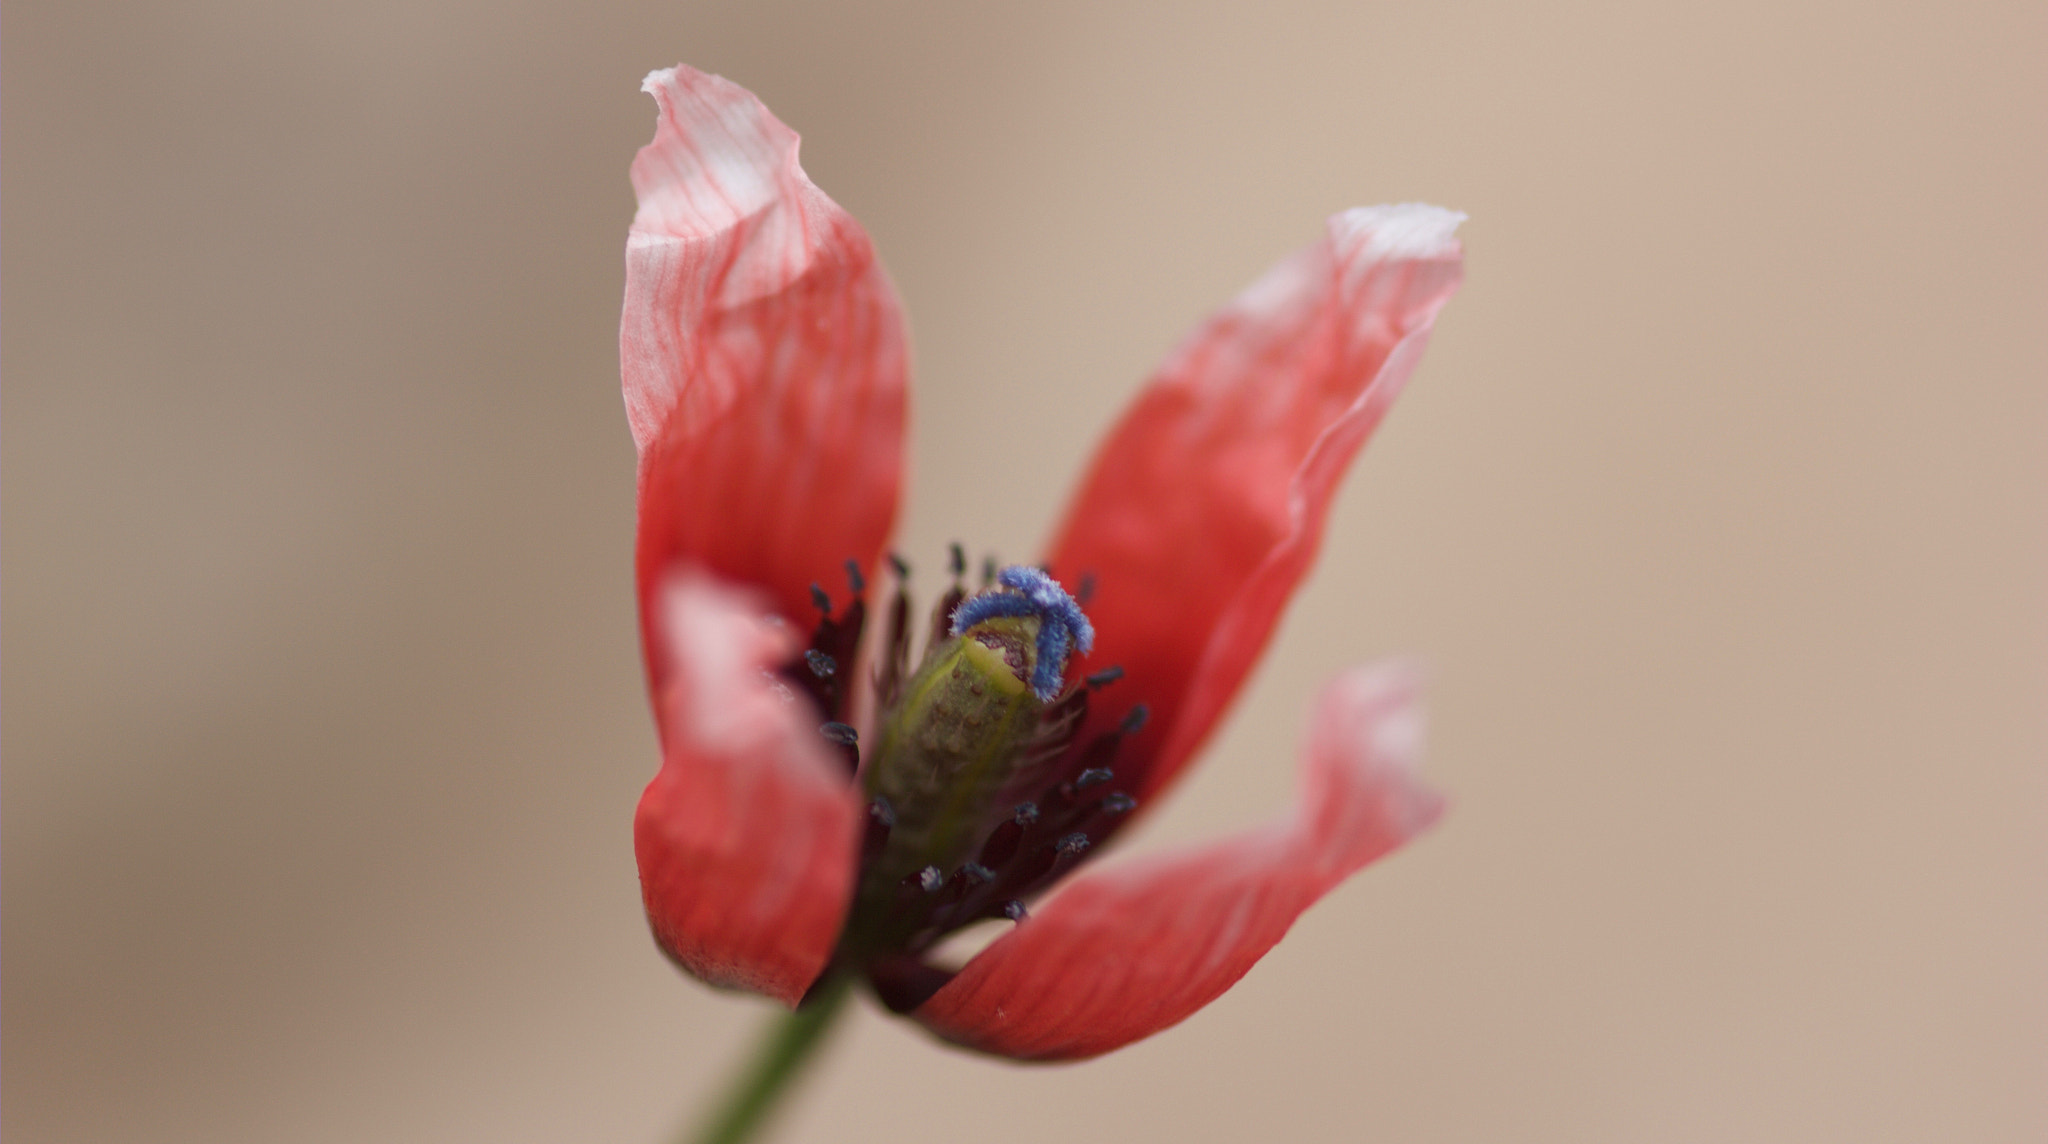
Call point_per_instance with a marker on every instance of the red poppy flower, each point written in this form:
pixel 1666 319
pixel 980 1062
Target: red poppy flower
pixel 764 365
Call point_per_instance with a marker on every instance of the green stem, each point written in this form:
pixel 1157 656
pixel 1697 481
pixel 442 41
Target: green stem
pixel 789 1044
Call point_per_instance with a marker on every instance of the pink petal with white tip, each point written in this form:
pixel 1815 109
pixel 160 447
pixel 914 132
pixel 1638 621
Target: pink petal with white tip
pixel 763 356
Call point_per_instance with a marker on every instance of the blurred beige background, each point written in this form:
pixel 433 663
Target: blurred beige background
pixel 1716 510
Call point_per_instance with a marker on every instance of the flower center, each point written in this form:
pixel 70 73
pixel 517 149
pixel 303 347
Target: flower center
pixel 981 789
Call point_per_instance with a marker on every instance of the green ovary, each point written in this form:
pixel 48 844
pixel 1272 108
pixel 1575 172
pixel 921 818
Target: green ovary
pixel 952 743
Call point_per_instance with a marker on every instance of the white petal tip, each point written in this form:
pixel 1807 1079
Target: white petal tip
pixel 1386 700
pixel 657 79
pixel 1403 230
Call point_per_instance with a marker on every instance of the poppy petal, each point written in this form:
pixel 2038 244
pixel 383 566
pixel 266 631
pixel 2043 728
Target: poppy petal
pixel 1125 952
pixel 747 837
pixel 1205 506
pixel 763 355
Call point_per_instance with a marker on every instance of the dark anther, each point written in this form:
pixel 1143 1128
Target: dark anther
pixel 977 874
pixel 899 566
pixel 959 561
pixel 1119 803
pixel 1087 591
pixel 1135 721
pixel 988 570
pixel 883 812
pixel 1101 750
pixel 964 882
pixel 929 879
pixel 1027 813
pixel 847 740
pixel 1093 776
pixel 1072 844
pixel 838 641
pixel 1103 678
pixel 854 579
pixel 1014 910
pixel 840 733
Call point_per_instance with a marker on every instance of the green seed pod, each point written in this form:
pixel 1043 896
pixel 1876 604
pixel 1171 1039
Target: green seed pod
pixel 953 741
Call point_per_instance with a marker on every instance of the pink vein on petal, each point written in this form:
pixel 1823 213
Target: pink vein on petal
pixel 763 356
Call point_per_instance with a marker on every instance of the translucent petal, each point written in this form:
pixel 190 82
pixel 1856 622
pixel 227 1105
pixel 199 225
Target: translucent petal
pixel 1204 508
pixel 763 356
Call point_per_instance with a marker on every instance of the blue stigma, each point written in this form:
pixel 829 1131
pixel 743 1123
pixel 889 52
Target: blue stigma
pixel 1062 627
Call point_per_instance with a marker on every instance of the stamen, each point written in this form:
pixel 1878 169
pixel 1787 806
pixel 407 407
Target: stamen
pixel 1073 845
pixel 1033 868
pixel 1093 776
pixel 847 740
pixel 840 733
pixel 899 566
pixel 1087 589
pixel 1135 721
pixel 1002 843
pixel 961 887
pixel 1101 750
pixel 977 874
pixel 1105 677
pixel 834 643
pixel 893 657
pixel 1014 910
pixel 1119 803
pixel 854 579
pixel 959 560
pixel 929 879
